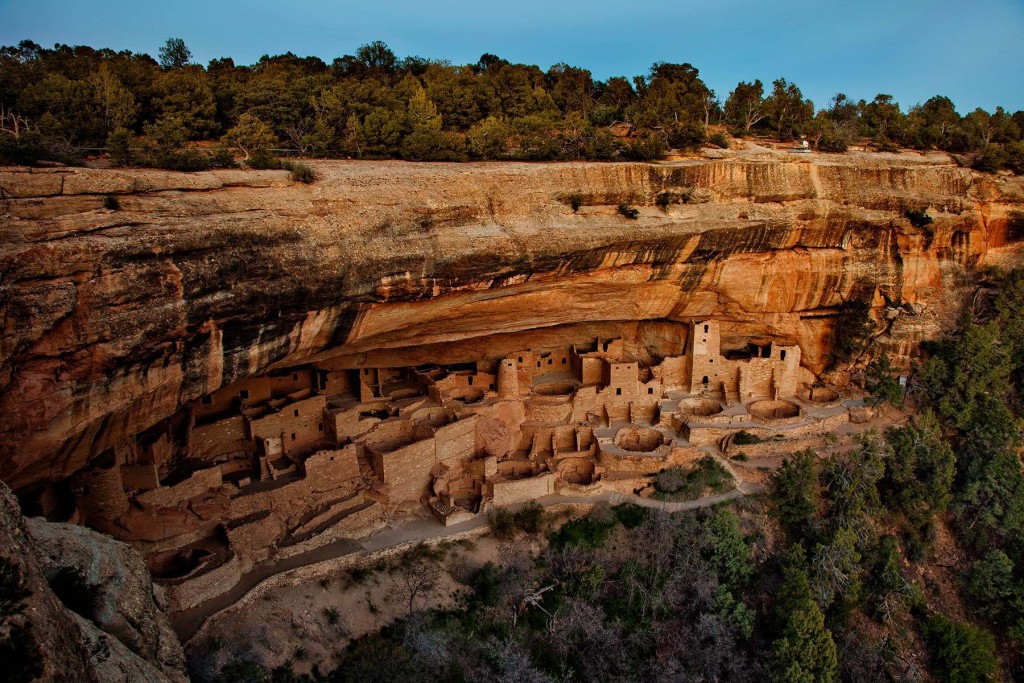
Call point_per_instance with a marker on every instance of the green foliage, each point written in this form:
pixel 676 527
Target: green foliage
pixel 331 615
pixel 433 144
pixel 882 383
pixel 852 483
pixel 629 515
pixel 587 532
pixel 503 524
pixel 530 518
pixel 299 172
pixel 745 438
pixel 112 203
pixel 119 147
pixel 675 483
pixel 803 650
pixel 628 211
pixel 719 139
pixel 920 469
pixel 890 592
pixel 24 150
pixel 796 493
pixel 833 142
pixel 174 54
pixel 485 583
pixel 687 136
pixel 575 201
pixel 852 330
pixel 960 653
pixel 995 593
pixel 263 160
pixel 250 135
pixel 727 550
pixel 373 104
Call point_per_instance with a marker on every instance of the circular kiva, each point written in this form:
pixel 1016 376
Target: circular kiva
pixel 639 439
pixel 699 407
pixel 773 410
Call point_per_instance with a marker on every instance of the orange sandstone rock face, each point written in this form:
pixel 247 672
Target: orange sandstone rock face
pixel 113 321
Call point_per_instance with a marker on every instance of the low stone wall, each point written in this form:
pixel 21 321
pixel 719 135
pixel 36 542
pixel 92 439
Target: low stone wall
pixel 646 463
pixel 195 591
pixel 710 435
pixel 356 525
pixel 170 496
pixel 522 490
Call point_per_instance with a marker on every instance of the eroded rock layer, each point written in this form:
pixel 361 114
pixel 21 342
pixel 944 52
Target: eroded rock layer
pixel 113 321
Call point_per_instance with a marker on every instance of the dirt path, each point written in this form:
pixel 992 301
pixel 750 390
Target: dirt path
pixel 188 622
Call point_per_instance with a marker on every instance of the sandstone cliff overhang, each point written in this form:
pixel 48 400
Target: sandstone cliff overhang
pixel 113 320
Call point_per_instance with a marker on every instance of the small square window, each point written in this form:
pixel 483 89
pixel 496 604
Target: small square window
pixel 705 329
pixel 551 361
pixel 244 393
pixel 520 359
pixel 618 391
pixel 293 436
pixel 650 390
pixel 563 361
pixel 296 411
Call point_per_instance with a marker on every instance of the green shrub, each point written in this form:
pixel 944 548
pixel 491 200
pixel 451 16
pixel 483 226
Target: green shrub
pixel 332 615
pixel 720 140
pixel 111 202
pixel 223 158
pixel 686 136
pixel 745 438
pixel 485 583
pixel 960 653
pixel 530 518
pixel 678 484
pixel 628 211
pixel 119 147
pixel 24 150
pixel 299 172
pixel 263 160
pixel 575 201
pixel 852 330
pixel 187 159
pixel 832 142
pixel 503 524
pixel 884 144
pixel 629 515
pixel 588 532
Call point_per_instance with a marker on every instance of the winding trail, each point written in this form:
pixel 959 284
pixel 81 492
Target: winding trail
pixel 187 623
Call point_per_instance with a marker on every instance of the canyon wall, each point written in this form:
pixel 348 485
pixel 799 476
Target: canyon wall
pixel 114 320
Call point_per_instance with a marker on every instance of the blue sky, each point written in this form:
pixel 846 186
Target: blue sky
pixel 973 51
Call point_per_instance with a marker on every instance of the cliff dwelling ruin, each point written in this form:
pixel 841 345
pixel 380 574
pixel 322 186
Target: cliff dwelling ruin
pixel 277 464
